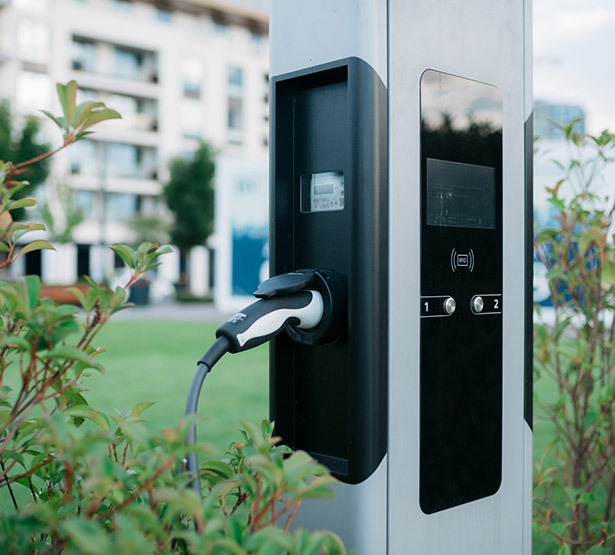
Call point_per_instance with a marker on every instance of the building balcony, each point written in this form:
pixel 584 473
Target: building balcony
pixel 110 184
pixel 114 83
pixel 137 129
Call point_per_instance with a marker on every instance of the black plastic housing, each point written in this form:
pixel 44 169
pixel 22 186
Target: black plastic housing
pixel 461 396
pixel 331 400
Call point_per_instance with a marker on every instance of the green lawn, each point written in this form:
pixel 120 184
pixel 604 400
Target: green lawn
pixel 155 361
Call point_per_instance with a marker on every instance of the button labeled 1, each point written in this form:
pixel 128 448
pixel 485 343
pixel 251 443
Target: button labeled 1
pixel 437 306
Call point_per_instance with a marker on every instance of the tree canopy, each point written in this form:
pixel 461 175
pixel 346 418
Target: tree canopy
pixel 18 147
pixel 189 194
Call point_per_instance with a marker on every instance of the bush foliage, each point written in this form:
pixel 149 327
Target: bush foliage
pixel 75 479
pixel 574 496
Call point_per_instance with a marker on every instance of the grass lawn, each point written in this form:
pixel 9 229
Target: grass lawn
pixel 155 361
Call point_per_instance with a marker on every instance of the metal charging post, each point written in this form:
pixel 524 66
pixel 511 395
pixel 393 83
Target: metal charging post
pixel 401 148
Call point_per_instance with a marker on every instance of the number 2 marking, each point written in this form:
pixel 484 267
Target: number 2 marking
pixel 497 304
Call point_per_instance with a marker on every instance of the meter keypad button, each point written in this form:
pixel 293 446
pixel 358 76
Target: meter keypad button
pixel 486 304
pixel 437 306
pixel 449 305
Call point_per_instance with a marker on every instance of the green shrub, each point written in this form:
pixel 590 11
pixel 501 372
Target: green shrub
pixel 574 496
pixel 75 479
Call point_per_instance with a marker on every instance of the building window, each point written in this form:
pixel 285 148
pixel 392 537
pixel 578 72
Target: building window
pixel 84 55
pixel 235 82
pixel 83 260
pixel 257 39
pixel 235 105
pixel 128 64
pixel 164 15
pixel 33 41
pixel 192 78
pixel 124 160
pixel 128 106
pixel 84 201
pixel 191 118
pixel 235 123
pixel 34 91
pixel 34 263
pixel 192 90
pixel 123 5
pixel 83 159
pixel 220 28
pixel 121 207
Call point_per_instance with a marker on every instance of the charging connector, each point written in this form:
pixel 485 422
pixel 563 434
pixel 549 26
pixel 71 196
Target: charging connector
pixel 264 319
pixel 286 304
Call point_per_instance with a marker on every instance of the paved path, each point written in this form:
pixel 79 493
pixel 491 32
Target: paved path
pixel 174 312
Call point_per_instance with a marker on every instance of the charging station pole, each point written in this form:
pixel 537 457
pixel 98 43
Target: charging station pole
pixel 401 147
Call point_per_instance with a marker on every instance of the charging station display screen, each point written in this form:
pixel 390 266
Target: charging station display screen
pixel 322 192
pixel 460 195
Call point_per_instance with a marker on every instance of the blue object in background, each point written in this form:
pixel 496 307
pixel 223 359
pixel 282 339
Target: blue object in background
pixel 248 258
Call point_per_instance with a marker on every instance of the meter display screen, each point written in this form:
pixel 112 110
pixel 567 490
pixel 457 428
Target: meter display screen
pixel 322 192
pixel 460 195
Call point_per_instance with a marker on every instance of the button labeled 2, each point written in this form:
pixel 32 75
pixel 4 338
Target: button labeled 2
pixel 486 303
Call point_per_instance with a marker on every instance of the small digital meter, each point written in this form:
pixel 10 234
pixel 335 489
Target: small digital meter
pixel 322 192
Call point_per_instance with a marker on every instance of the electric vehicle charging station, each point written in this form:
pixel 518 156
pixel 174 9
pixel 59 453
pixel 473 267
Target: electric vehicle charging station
pixel 401 147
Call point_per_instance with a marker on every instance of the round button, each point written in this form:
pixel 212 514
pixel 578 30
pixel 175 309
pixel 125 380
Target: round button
pixel 450 305
pixel 478 304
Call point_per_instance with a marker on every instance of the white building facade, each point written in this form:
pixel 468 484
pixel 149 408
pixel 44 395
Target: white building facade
pixel 177 71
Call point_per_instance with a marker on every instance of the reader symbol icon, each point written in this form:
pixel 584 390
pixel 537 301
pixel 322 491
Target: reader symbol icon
pixel 462 260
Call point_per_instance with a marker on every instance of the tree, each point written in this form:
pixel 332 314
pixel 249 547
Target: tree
pixel 20 148
pixel 189 194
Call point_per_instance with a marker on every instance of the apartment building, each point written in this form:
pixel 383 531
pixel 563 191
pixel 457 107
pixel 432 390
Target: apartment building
pixel 177 71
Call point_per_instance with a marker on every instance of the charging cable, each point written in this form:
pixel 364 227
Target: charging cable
pixel 254 325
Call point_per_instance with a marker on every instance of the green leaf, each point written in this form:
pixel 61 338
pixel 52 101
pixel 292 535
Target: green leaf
pixel 80 297
pixel 21 203
pixel 608 273
pixel 598 549
pixel 88 536
pixel 67 95
pixel 234 530
pixel 93 415
pixel 558 203
pixel 218 468
pixel 33 287
pixel 83 134
pixel 67 353
pixel 564 550
pixel 179 500
pixel 30 226
pixel 36 246
pixel 60 122
pixel 126 253
pixel 96 116
pixel 140 408
pixel 83 110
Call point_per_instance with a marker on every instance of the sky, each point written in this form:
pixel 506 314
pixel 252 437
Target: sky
pixel 574 55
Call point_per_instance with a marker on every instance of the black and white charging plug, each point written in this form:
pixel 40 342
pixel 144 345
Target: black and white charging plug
pixel 309 304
